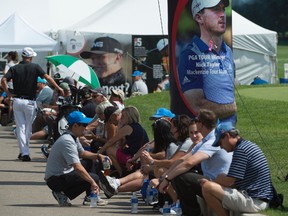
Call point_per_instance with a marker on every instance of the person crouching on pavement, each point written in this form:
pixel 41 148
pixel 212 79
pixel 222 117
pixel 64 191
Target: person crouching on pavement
pixel 64 174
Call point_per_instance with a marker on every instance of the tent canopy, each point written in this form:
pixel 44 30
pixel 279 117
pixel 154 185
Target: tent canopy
pixel 254 50
pixel 16 33
pixel 127 17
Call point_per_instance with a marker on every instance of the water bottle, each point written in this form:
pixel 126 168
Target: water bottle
pixel 148 147
pixel 166 209
pixel 149 195
pixel 155 196
pixel 93 200
pixel 144 188
pixel 106 166
pixel 134 203
pixel 178 209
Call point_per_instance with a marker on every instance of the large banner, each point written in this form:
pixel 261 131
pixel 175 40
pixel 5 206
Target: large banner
pixel 150 56
pixel 114 58
pixel 202 69
pixel 106 54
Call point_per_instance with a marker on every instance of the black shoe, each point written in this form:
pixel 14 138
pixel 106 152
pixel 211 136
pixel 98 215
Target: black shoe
pixel 20 156
pixel 44 150
pixel 26 158
pixel 108 190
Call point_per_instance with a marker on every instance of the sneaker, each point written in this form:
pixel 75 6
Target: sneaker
pixel 112 182
pixel 14 132
pixel 104 184
pixel 100 201
pixel 45 150
pixel 26 158
pixel 172 211
pixel 20 156
pixel 61 198
pixel 86 200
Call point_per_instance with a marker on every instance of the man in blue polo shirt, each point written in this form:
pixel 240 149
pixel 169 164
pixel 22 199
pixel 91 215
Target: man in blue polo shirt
pixel 205 67
pixel 247 187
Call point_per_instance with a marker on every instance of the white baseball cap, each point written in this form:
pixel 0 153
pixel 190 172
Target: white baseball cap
pixel 198 5
pixel 162 43
pixel 28 52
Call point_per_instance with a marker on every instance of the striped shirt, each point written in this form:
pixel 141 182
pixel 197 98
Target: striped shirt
pixel 250 168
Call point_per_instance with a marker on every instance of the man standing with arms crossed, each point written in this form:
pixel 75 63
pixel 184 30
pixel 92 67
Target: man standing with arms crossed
pixel 24 77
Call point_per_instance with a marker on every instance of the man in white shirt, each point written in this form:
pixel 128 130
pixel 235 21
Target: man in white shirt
pixel 139 86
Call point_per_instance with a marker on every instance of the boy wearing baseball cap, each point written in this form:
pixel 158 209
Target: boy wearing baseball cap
pixel 64 174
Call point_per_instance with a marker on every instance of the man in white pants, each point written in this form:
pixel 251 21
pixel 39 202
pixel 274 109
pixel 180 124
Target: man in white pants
pixel 24 77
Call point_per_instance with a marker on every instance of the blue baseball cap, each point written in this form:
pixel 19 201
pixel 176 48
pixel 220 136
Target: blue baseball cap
pixel 78 117
pixel 40 80
pixel 137 73
pixel 222 128
pixel 162 112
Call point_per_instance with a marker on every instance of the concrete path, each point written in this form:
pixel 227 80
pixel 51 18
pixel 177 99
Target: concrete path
pixel 24 192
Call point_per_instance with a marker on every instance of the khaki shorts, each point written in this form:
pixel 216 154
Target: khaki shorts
pixel 240 202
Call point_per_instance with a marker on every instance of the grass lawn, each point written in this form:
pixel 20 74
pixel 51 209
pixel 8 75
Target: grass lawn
pixel 262 118
pixel 282 57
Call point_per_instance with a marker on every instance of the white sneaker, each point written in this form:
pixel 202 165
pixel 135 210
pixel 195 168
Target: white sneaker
pixel 101 202
pixel 112 182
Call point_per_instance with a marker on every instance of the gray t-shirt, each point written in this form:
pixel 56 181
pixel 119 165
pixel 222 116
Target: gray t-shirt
pixel 140 87
pixel 64 153
pixel 182 147
pixel 171 150
pixel 45 97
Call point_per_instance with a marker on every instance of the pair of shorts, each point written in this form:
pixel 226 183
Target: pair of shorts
pixel 121 157
pixel 239 201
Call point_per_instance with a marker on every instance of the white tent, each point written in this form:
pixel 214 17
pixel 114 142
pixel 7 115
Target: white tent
pixel 127 17
pixel 16 33
pixel 254 50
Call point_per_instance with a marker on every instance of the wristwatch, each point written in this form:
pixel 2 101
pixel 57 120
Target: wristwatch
pixel 166 178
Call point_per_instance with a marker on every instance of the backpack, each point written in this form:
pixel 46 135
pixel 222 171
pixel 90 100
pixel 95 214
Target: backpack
pixel 277 200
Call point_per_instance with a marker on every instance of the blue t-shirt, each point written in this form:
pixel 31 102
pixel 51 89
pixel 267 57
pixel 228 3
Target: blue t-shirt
pixel 250 168
pixel 200 68
pixel 219 160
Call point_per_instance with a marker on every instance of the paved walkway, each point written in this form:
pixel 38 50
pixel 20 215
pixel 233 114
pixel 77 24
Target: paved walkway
pixel 24 192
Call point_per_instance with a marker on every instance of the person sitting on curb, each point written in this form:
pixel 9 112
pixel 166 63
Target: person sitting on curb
pixel 184 174
pixel 247 187
pixel 131 131
pixel 64 174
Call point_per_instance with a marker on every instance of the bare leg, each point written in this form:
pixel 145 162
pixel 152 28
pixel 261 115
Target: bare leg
pixel 38 135
pixel 133 185
pixel 111 152
pixel 213 194
pixel 170 190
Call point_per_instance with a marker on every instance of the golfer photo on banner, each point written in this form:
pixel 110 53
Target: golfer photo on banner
pixel 202 68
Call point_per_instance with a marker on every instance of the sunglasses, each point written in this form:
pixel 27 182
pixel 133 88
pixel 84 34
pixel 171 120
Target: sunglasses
pixel 95 96
pixel 196 119
pixel 82 124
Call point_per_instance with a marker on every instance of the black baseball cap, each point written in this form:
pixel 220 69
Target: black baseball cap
pixel 100 91
pixel 109 111
pixel 103 45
